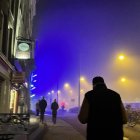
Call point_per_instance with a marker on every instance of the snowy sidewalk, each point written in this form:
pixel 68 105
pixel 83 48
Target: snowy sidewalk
pixel 61 131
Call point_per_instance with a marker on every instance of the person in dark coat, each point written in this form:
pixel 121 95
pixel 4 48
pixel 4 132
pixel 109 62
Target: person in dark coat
pixel 42 106
pixel 103 112
pixel 54 107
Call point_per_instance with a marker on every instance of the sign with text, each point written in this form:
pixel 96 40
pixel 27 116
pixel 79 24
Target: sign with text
pixel 18 77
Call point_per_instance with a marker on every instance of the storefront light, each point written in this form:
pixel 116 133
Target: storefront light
pixel 26 84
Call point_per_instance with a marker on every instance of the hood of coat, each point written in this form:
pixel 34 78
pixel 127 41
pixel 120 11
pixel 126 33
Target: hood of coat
pixel 100 87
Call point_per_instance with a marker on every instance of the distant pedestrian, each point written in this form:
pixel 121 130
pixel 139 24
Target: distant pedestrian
pixel 42 106
pixel 37 108
pixel 63 106
pixel 103 111
pixel 54 107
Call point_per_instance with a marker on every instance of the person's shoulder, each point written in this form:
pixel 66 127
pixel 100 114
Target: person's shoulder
pixel 115 93
pixel 44 100
pixel 88 93
pixel 56 103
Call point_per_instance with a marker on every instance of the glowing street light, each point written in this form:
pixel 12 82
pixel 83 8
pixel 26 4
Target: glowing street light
pixel 66 85
pixel 121 57
pixel 52 91
pixel 123 79
pixel 81 90
pixel 82 79
pixel 58 91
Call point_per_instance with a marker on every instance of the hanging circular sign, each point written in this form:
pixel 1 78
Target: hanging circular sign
pixel 23 47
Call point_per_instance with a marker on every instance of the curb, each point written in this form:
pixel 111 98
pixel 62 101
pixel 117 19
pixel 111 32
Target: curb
pixel 33 132
pixel 38 133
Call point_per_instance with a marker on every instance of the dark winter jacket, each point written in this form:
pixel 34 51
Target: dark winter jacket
pixel 54 107
pixel 105 114
pixel 43 105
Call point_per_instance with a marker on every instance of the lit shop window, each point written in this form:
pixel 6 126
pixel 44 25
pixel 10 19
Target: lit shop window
pixel 13 101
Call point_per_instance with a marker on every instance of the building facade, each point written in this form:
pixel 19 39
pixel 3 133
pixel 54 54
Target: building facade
pixel 16 21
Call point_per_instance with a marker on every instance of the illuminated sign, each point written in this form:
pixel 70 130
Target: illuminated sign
pixel 24 49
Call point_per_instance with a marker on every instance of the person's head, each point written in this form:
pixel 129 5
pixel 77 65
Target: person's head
pixel 97 80
pixel 54 100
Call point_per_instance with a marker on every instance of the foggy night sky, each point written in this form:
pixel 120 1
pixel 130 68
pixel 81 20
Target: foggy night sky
pixel 85 36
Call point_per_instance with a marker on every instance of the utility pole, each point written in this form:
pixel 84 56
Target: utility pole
pixel 79 80
pixel 57 91
pixel 79 92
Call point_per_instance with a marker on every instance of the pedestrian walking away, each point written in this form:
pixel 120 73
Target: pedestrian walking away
pixel 54 107
pixel 37 108
pixel 42 106
pixel 103 112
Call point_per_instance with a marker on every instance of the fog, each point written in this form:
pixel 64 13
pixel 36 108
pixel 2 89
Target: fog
pixel 84 38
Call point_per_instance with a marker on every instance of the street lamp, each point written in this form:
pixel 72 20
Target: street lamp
pixel 81 90
pixel 58 92
pixel 52 91
pixel 121 57
pixel 123 79
pixel 81 79
pixel 66 85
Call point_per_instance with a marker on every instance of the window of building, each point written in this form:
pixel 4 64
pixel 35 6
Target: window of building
pixel 5 34
pixel 1 28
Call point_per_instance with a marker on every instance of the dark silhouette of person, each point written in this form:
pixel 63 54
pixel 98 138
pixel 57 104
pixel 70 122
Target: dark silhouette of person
pixel 42 106
pixel 103 112
pixel 37 108
pixel 54 107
